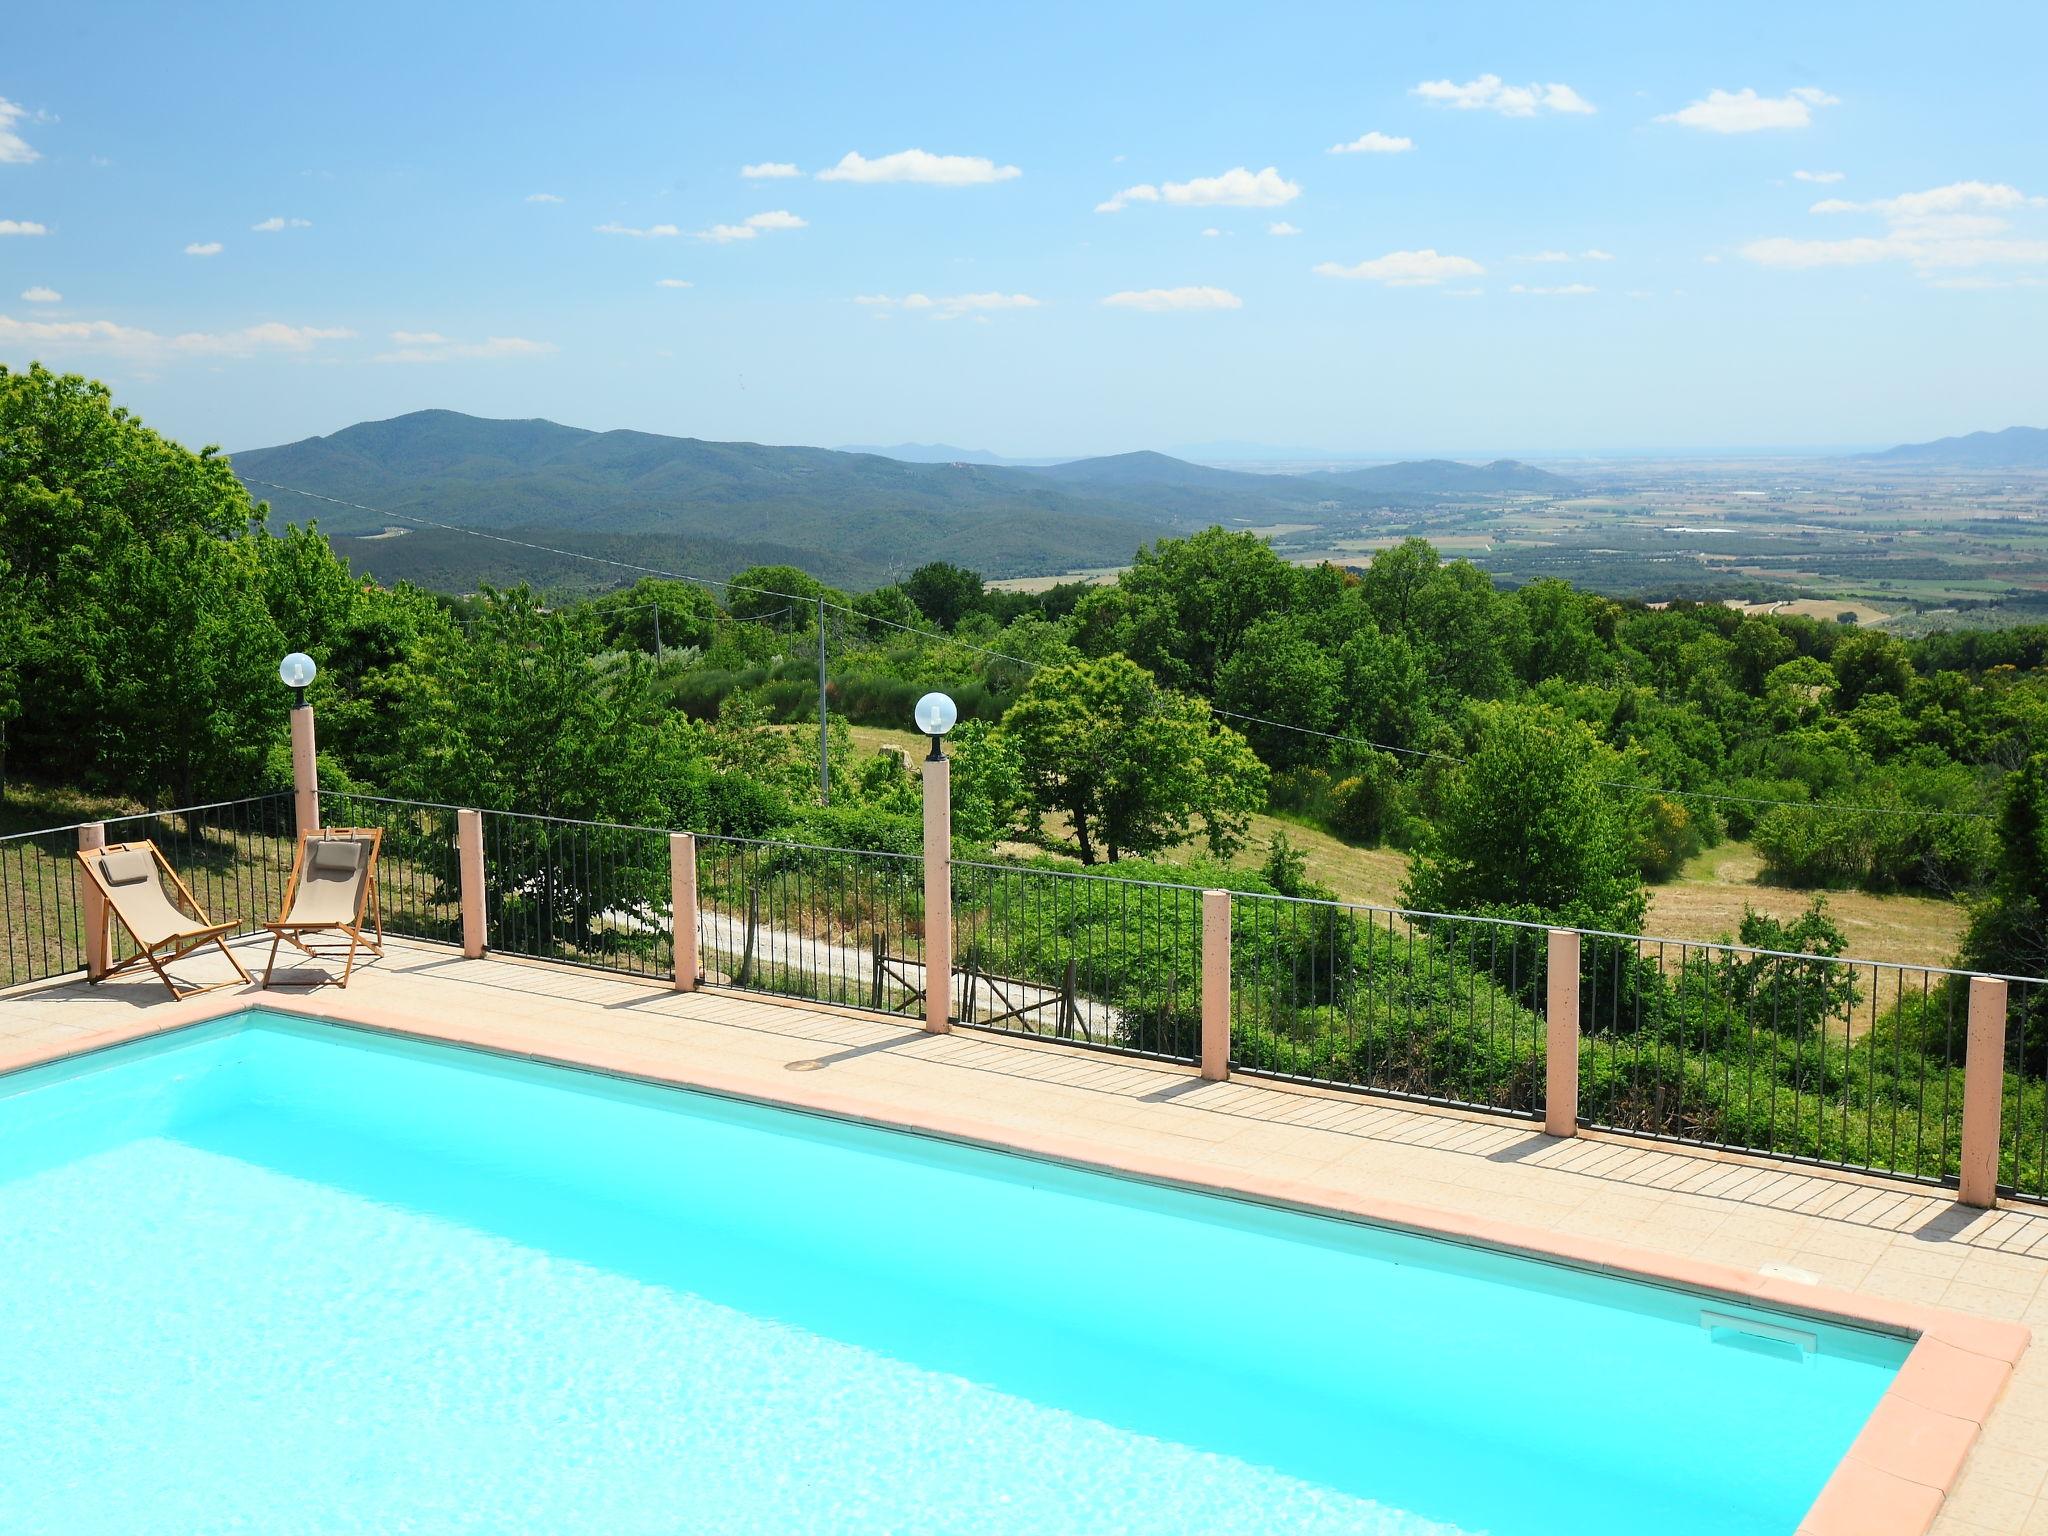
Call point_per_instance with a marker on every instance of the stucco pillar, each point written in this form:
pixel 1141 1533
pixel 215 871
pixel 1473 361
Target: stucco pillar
pixel 1983 1092
pixel 1216 985
pixel 938 894
pixel 1561 1036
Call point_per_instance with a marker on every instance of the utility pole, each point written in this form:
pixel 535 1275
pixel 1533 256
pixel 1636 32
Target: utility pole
pixel 824 741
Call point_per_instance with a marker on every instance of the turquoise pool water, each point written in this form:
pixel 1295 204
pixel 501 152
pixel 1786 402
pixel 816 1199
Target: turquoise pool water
pixel 278 1277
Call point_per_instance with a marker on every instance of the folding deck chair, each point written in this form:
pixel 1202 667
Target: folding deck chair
pixel 128 876
pixel 332 895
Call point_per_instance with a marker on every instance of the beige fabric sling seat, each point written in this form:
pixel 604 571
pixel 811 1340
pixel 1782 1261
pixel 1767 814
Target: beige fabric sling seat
pixel 331 897
pixel 128 877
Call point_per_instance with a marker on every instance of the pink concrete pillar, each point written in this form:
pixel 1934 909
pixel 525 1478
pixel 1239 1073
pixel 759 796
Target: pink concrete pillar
pixel 1561 1036
pixel 469 859
pixel 305 771
pixel 938 894
pixel 1983 1092
pixel 92 905
pixel 682 907
pixel 1216 985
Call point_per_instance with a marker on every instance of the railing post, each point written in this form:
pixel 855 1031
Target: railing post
pixel 1561 1035
pixel 305 771
pixel 938 893
pixel 1216 985
pixel 90 836
pixel 682 907
pixel 1983 1092
pixel 469 854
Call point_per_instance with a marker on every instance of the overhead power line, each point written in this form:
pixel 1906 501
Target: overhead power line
pixel 823 603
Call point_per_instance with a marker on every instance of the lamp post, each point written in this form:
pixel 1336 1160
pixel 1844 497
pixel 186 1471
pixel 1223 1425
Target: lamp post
pixel 935 715
pixel 296 671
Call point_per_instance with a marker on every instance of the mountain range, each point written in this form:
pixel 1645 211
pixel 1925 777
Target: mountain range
pixel 2014 448
pixel 405 498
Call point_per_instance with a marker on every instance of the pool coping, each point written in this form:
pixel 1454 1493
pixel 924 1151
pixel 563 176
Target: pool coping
pixel 1892 1481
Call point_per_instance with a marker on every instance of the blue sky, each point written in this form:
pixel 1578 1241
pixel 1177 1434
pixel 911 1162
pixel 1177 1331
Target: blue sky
pixel 447 190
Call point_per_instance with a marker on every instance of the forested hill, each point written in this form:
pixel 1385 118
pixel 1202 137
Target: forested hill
pixel 2014 448
pixel 856 519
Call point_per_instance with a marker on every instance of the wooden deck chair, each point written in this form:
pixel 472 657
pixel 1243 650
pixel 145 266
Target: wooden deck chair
pixel 332 895
pixel 128 877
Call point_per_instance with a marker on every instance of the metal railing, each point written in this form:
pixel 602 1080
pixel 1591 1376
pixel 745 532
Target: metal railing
pixel 1449 1010
pixel 830 925
pixel 40 920
pixel 1814 1059
pixel 419 891
pixel 236 856
pixel 1080 957
pixel 592 893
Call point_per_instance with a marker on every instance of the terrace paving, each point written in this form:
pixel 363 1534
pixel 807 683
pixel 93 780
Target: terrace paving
pixel 1883 1240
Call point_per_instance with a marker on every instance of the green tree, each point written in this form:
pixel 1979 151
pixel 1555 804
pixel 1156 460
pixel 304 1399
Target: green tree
pixel 1526 825
pixel 1135 767
pixel 1282 675
pixel 2008 932
pixel 944 593
pixel 1868 662
pixel 1184 607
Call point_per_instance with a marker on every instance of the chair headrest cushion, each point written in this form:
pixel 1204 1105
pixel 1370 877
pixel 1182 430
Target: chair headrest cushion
pixel 335 855
pixel 130 866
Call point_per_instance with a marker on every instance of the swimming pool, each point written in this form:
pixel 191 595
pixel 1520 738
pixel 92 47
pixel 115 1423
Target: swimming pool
pixel 273 1275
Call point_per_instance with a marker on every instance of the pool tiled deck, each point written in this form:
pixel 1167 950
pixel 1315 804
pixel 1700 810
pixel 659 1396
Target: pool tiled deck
pixel 1778 1231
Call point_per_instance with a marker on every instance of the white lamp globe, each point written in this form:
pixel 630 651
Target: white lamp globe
pixel 935 714
pixel 296 670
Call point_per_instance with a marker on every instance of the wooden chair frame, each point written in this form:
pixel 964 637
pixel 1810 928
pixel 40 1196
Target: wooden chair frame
pixel 369 912
pixel 166 951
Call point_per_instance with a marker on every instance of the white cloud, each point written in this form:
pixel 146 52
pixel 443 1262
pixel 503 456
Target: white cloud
pixel 1962 224
pixel 673 282
pixel 1548 256
pixel 1490 94
pixel 769 170
pixel 14 149
pixel 22 227
pixel 149 346
pixel 1405 269
pixel 433 347
pixel 951 306
pixel 542 197
pixel 41 295
pixel 1373 143
pixel 1592 254
pixel 1237 188
pixel 1565 288
pixel 1159 300
pixel 780 218
pixel 920 166
pixel 1744 111
pixel 1142 193
pixel 1824 177
pixel 274 223
pixel 652 232
pixel 1212 233
pixel 206 248
pixel 1282 228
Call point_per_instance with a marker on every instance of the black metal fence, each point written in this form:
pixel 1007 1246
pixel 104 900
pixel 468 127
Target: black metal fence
pixel 1844 1063
pixel 831 925
pixel 592 893
pixel 419 886
pixel 234 855
pixel 1449 1010
pixel 1086 958
pixel 1835 1062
